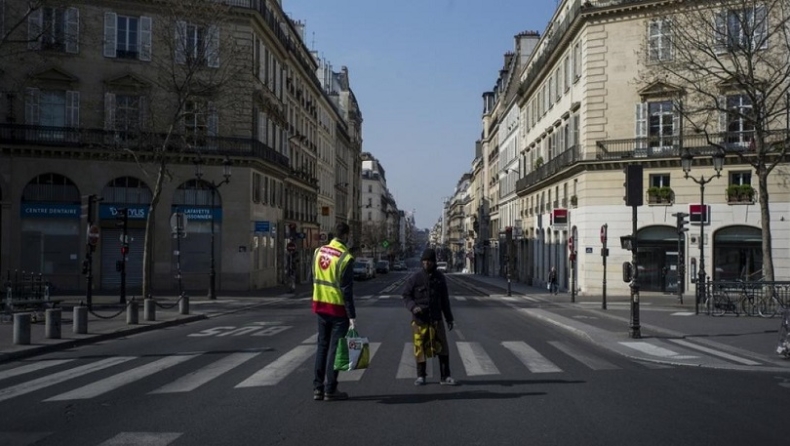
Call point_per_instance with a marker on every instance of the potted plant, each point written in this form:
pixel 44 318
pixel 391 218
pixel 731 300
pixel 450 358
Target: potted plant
pixel 665 194
pixel 746 192
pixel 652 194
pixel 733 192
pixel 574 200
pixel 538 162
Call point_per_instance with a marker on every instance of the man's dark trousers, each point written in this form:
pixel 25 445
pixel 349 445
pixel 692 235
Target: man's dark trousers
pixel 330 330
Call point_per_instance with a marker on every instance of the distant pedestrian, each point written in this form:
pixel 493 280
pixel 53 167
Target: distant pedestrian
pixel 427 298
pixel 333 302
pixel 553 285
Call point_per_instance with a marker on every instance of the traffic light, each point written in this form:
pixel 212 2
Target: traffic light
pixel 628 272
pixel 124 250
pixel 681 222
pixel 633 185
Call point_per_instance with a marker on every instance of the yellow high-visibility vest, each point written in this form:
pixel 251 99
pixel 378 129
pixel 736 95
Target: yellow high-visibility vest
pixel 329 263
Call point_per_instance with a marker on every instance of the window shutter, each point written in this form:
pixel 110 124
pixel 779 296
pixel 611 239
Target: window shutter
pixel 142 104
pixel 256 56
pixel 262 127
pixel 32 114
pixel 720 32
pixel 212 120
pixel 212 47
pixel 110 34
pixel 641 125
pixel 72 109
pixel 676 120
pixel 722 114
pixel 180 42
pixel 72 30
pixel 109 110
pixel 35 23
pixel 145 38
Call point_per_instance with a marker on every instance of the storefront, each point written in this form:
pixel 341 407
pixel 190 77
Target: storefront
pixel 737 253
pixel 112 241
pixel 657 258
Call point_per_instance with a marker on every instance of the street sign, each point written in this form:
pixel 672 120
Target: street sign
pixel 604 230
pixel 385 244
pixel 291 247
pixel 93 235
pixel 570 244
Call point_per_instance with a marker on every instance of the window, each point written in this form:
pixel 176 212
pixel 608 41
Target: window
pixel 557 83
pixel 52 108
pixel 740 178
pixel 656 125
pixel 568 73
pixel 659 180
pixel 197 44
pixel 256 188
pixel 200 123
pixel 54 29
pixel 659 39
pixel 739 120
pixel 577 61
pixel 127 37
pixel 742 29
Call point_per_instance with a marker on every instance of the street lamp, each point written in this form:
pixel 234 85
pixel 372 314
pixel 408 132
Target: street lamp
pixel 718 162
pixel 213 186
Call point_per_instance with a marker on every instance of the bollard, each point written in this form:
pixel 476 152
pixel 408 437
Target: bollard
pixel 132 313
pixel 22 328
pixel 149 308
pixel 183 305
pixel 53 318
pixel 80 324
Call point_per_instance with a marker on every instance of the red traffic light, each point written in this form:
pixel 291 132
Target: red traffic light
pixel 124 250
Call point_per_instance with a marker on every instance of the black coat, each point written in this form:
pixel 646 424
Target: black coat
pixel 429 292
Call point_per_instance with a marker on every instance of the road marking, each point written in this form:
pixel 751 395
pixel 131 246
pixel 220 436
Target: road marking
pixel 113 382
pixel 142 439
pixel 356 375
pixel 531 299
pixel 199 377
pixel 311 340
pixel 22 438
pixel 654 350
pixel 32 367
pixel 683 313
pixel 475 360
pixel 57 378
pixel 590 361
pixel 280 368
pixel 714 352
pixel 535 362
pixel 459 298
pixel 407 367
pixel 510 298
pixel 386 296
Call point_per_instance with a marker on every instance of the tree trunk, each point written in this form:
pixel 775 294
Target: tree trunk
pixel 149 227
pixel 765 217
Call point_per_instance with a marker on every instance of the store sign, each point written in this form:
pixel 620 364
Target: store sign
pixel 135 212
pixel 198 213
pixel 262 226
pixel 559 217
pixel 40 210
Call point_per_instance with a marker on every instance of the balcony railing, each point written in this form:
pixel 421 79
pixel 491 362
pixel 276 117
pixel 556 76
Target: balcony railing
pixel 81 138
pixel 556 164
pixel 670 147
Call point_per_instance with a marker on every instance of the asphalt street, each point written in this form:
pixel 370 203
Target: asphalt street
pixel 244 377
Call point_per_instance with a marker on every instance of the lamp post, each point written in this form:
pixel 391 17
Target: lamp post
pixel 718 162
pixel 213 186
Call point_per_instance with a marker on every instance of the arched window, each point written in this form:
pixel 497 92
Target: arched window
pixel 51 187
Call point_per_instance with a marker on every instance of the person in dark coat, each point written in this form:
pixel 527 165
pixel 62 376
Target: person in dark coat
pixel 427 299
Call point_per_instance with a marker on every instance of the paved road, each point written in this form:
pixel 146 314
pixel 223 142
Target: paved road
pixel 244 377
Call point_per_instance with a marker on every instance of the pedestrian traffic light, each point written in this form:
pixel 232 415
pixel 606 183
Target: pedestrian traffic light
pixel 681 222
pixel 633 185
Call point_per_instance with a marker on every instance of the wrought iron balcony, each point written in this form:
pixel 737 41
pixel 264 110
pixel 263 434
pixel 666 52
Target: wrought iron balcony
pixel 97 139
pixel 671 147
pixel 556 164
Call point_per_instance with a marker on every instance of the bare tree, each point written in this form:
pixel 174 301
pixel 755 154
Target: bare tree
pixel 729 62
pixel 196 70
pixel 373 234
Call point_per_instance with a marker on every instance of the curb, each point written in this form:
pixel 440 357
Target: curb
pixel 43 349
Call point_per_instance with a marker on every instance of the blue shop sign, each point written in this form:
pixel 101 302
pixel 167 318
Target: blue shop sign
pixel 262 226
pixel 199 213
pixel 44 210
pixel 135 212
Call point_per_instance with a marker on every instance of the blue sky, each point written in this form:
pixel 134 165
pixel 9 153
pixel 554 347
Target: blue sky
pixel 418 69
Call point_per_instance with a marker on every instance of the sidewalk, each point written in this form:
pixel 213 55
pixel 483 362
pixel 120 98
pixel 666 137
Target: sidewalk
pixel 108 319
pixel 671 332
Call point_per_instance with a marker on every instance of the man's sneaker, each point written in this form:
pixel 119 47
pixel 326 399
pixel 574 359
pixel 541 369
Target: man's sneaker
pixel 420 381
pixel 449 381
pixel 335 396
pixel 318 395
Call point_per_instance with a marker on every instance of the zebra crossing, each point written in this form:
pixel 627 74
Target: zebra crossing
pixel 475 358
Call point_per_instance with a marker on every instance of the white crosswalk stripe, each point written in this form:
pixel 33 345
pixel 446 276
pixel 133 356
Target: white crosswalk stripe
pixel 535 362
pixel 198 378
pixel 32 368
pixel 475 360
pixel 280 368
pixel 356 375
pixel 57 378
pixel 590 361
pixel 105 385
pixel 142 439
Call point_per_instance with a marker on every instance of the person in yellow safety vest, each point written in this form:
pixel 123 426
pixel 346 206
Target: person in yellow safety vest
pixel 333 303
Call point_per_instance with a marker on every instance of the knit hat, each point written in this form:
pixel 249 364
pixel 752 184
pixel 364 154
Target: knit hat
pixel 429 254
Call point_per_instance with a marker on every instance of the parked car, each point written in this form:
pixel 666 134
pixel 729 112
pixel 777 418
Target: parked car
pixel 399 265
pixel 361 270
pixel 441 266
pixel 383 266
